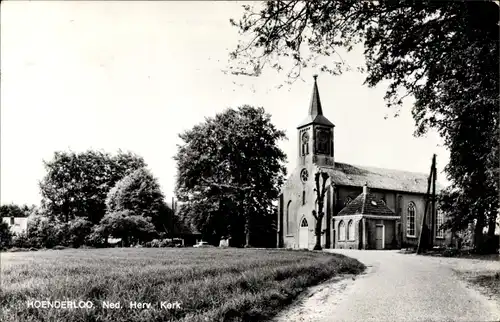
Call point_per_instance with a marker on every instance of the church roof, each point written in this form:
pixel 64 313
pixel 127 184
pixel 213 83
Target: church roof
pixel 315 110
pixel 344 174
pixel 367 204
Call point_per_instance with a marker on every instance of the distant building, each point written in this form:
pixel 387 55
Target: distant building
pixel 365 207
pixel 16 224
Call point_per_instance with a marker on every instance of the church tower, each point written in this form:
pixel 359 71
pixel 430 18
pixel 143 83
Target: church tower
pixel 315 141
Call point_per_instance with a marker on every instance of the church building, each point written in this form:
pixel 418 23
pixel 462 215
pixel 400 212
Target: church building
pixel 365 207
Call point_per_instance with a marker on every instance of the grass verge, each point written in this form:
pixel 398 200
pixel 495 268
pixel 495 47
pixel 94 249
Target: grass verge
pixel 489 284
pixel 209 284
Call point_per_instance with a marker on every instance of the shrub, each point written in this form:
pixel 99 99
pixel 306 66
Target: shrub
pixel 5 235
pixel 46 232
pixel 78 230
pixel 17 249
pixel 489 245
pixel 127 226
pixel 450 252
pixel 42 231
pixel 155 243
pixel 167 243
pixel 62 233
pixel 97 237
pixel 21 240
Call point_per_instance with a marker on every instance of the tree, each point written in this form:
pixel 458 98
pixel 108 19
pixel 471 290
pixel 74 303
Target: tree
pixel 213 219
pixel 230 170
pixel 78 230
pixel 140 193
pixel 5 235
pixel 76 184
pixel 443 53
pixel 98 237
pixel 320 197
pixel 13 210
pixel 127 226
pixel 43 232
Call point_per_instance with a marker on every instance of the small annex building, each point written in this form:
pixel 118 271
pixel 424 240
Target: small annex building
pixel 367 223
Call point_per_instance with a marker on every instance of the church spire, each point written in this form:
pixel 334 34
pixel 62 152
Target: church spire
pixel 315 107
pixel 315 114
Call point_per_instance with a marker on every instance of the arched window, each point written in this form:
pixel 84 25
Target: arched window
pixel 410 220
pixel 305 143
pixel 350 230
pixel 341 230
pixel 323 141
pixel 303 223
pixel 288 217
pixel 439 222
pixel 348 200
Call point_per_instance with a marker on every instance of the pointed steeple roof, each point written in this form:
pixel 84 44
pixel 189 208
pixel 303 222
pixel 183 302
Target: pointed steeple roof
pixel 315 107
pixel 315 110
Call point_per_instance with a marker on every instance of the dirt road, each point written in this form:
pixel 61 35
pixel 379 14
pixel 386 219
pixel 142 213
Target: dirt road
pixel 399 287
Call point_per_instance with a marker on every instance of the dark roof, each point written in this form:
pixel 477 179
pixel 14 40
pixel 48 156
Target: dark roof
pixel 315 110
pixel 344 174
pixel 366 204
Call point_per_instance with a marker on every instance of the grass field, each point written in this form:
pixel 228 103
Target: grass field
pixel 208 284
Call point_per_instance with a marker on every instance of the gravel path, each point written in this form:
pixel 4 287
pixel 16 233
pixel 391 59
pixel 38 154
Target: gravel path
pixel 399 287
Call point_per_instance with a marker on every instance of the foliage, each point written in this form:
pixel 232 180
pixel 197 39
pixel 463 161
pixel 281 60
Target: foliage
pixel 45 232
pixel 230 169
pixel 78 230
pixel 160 243
pixel 13 210
pixel 489 245
pixel 211 284
pixel 76 184
pixel 450 252
pixel 97 238
pixel 5 235
pixel 140 193
pixel 127 226
pixel 21 240
pixel 442 53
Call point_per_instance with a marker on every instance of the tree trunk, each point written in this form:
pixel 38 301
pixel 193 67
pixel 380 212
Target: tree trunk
pixel 319 223
pixel 247 231
pixel 492 222
pixel 478 232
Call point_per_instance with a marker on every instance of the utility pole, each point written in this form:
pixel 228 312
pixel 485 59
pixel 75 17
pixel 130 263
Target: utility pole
pixel 172 219
pixel 433 205
pixel 430 181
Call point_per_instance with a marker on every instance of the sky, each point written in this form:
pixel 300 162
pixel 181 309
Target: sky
pixel 126 75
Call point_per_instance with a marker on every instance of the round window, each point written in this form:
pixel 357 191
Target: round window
pixel 304 175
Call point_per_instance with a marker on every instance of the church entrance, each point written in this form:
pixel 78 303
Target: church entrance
pixel 304 234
